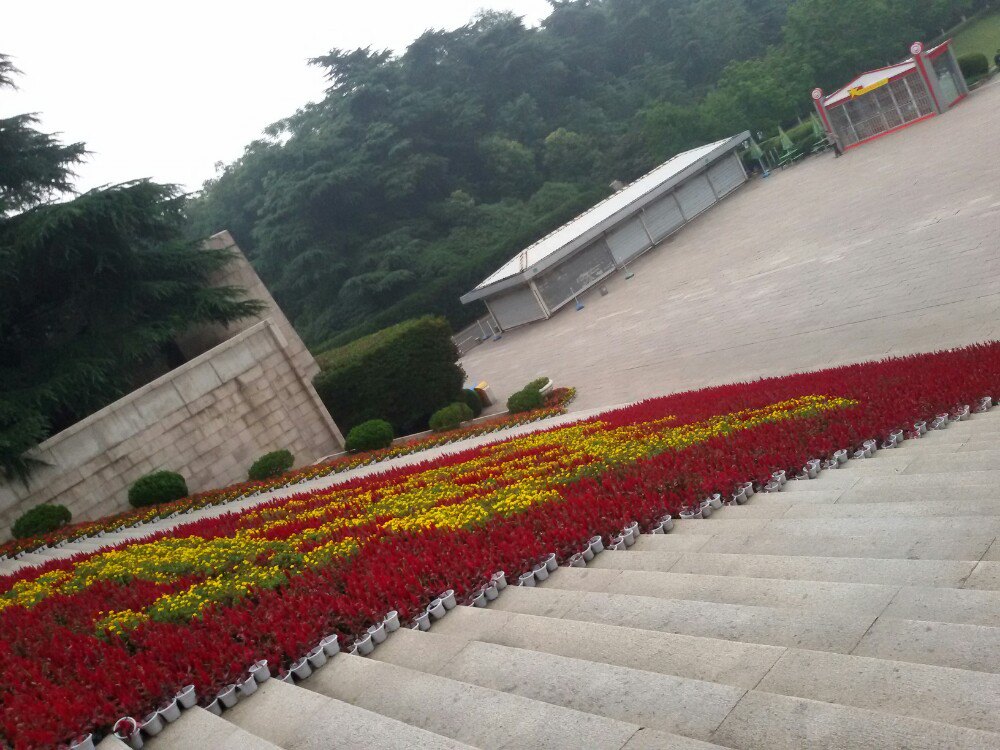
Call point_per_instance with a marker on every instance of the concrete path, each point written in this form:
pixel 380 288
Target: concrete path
pixel 857 610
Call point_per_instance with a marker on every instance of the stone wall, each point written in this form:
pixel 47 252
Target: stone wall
pixel 208 419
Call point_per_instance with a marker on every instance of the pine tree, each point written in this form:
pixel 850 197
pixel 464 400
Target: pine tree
pixel 90 288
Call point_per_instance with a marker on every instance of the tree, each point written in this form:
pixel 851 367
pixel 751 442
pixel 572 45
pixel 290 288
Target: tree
pixel 90 288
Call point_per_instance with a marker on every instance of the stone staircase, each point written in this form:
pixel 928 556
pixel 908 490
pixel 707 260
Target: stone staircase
pixel 857 610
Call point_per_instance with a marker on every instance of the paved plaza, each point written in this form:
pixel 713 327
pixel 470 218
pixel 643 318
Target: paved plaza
pixel 891 249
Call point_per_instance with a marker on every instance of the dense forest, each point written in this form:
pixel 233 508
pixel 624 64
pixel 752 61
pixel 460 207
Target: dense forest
pixel 419 173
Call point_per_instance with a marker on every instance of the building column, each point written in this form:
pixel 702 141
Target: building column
pixel 925 68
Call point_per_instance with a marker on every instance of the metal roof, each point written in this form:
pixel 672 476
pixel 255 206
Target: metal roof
pixel 874 76
pixel 570 236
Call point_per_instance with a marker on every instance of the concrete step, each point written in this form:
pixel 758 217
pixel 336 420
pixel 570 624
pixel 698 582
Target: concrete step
pixel 948 573
pixel 862 600
pixel 952 696
pixel 926 545
pixel 985 576
pixel 762 721
pixel 478 716
pixel 734 663
pixel 886 524
pixel 954 463
pixel 688 707
pixel 692 708
pixel 974 647
pixel 295 718
pixel 883 462
pixel 918 483
pixel 792 508
pixel 198 729
pixel 774 626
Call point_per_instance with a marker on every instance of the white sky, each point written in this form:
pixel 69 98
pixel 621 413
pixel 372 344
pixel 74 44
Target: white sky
pixel 167 89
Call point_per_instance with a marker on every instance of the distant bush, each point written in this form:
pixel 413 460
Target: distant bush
pixel 471 399
pixel 271 465
pixel 536 384
pixel 974 65
pixel 369 436
pixel 525 400
pixel 156 488
pixel 450 417
pixel 40 520
pixel 400 374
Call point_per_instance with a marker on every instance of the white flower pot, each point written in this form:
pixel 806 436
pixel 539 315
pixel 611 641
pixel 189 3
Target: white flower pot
pixel 170 712
pixel 436 609
pixel 687 515
pixel 628 536
pixel 186 696
pixel 577 561
pixel 596 544
pixel 377 632
pixel 657 529
pixel 259 671
pixel 152 725
pixel 780 476
pixel 668 524
pixel 841 456
pixel 423 621
pixel 551 563
pixel 706 510
pixel 248 686
pixel 316 657
pixel 541 572
pixel 748 487
pixel 526 579
pixel 287 677
pixel 499 580
pixel 365 645
pixel 740 496
pixel 588 553
pixel 300 668
pixel 479 599
pixel 811 471
pixel 84 742
pixel 773 486
pixel 448 599
pixel 963 413
pixel 126 729
pixel 491 592
pixel 391 621
pixel 634 528
pixel 331 645
pixel 715 501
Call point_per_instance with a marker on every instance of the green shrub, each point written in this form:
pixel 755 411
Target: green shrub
pixel 524 400
pixel 369 436
pixel 40 520
pixel 271 465
pixel 156 488
pixel 400 374
pixel 450 417
pixel 974 65
pixel 536 384
pixel 471 399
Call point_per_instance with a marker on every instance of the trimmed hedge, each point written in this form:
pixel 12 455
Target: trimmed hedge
pixel 471 399
pixel 40 520
pixel 156 488
pixel 271 465
pixel 974 65
pixel 450 417
pixel 525 400
pixel 401 374
pixel 537 384
pixel 369 436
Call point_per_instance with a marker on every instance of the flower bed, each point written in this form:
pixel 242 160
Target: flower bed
pixel 86 640
pixel 556 403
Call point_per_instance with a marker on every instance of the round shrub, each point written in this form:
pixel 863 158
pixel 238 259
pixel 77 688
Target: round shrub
pixel 156 488
pixel 471 399
pixel 270 465
pixel 525 400
pixel 450 417
pixel 536 384
pixel 974 65
pixel 40 520
pixel 370 436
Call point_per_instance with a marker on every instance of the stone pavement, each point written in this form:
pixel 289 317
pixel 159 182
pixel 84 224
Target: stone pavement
pixel 891 249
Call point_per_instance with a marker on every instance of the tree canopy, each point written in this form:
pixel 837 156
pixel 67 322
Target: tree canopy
pixel 419 172
pixel 91 289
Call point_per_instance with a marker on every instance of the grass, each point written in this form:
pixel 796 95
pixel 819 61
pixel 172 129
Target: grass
pixel 981 35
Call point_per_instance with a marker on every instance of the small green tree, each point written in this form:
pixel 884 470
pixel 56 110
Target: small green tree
pixel 157 488
pixel 369 436
pixel 271 465
pixel 450 417
pixel 41 519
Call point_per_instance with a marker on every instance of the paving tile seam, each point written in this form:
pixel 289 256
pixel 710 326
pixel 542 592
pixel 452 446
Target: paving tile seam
pixel 978 563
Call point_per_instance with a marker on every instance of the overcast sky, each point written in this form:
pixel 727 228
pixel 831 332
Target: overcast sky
pixel 165 90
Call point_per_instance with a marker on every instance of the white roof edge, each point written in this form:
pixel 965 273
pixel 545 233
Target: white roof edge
pixel 590 219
